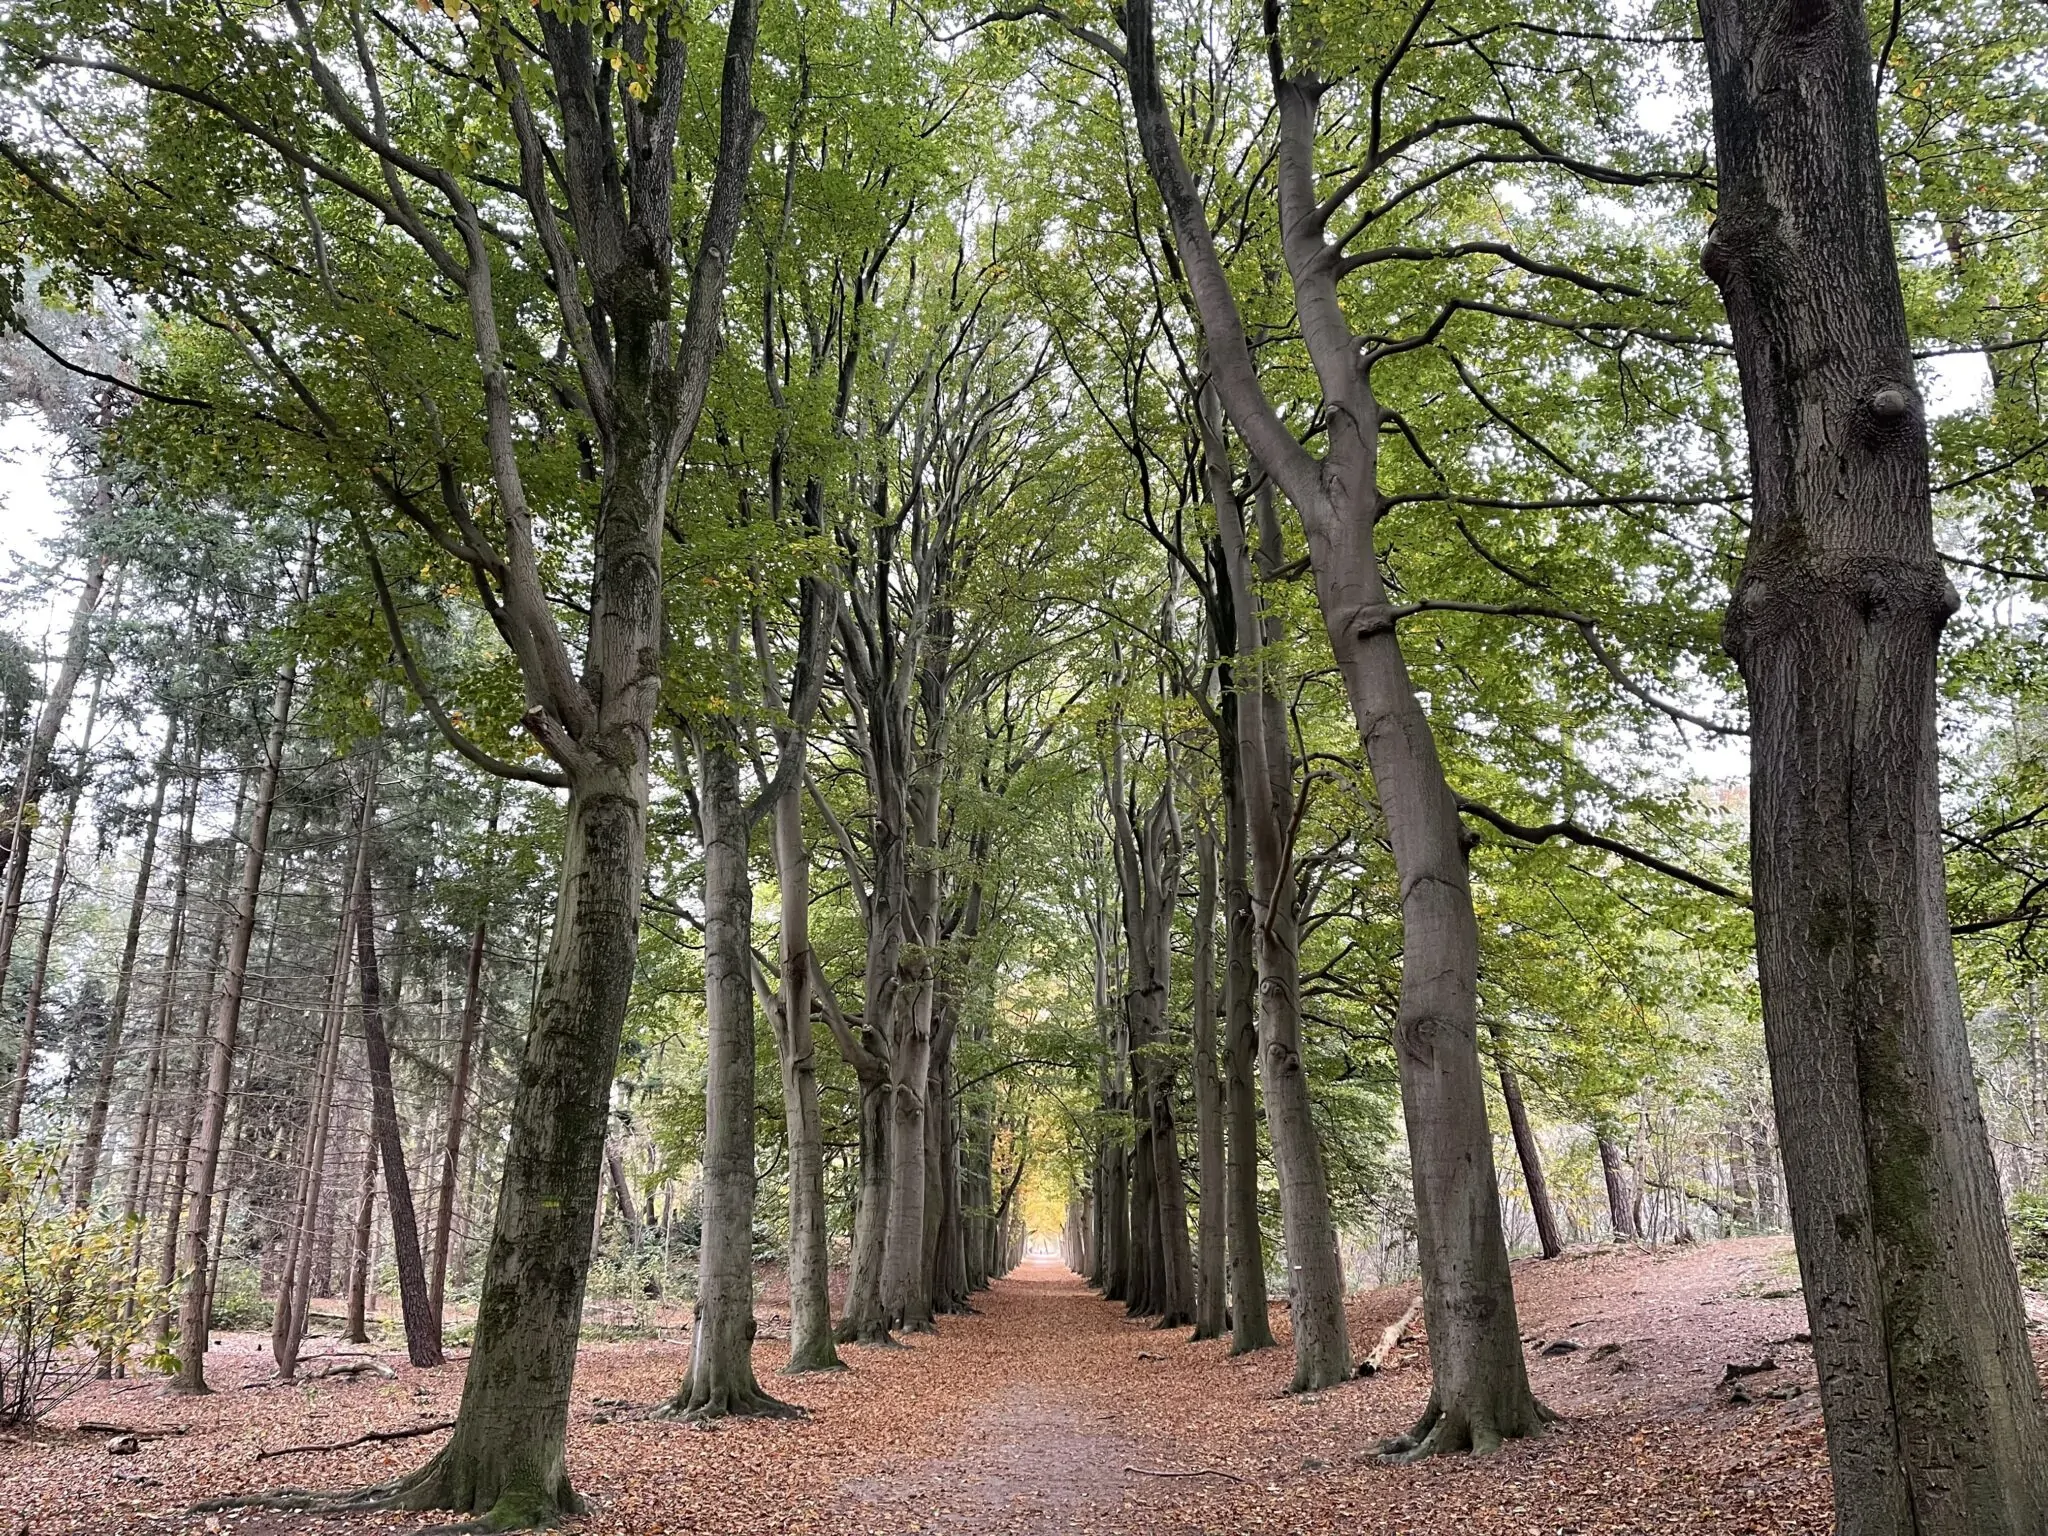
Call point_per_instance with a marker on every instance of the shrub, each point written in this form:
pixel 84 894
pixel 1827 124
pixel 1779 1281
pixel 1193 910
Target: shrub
pixel 2030 1240
pixel 238 1303
pixel 66 1301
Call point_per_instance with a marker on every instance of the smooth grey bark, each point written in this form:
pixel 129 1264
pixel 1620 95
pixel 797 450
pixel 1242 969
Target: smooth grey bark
pixel 85 1173
pixel 622 1194
pixel 225 1023
pixel 1932 1405
pixel 1479 1393
pixel 810 1302
pixel 1251 1327
pixel 722 1379
pixel 1211 1290
pixel 1315 1276
pixel 906 1276
pixel 1148 867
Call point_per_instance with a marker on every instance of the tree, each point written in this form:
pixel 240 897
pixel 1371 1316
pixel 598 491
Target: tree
pixel 1933 1410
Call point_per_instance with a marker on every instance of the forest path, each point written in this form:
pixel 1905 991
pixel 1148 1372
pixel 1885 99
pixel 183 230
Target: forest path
pixel 1023 1418
pixel 1044 1449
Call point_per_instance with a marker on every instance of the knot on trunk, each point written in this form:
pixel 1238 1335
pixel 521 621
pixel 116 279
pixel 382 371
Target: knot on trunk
pixel 1370 623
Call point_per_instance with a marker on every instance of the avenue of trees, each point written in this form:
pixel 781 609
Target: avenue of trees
pixel 1300 644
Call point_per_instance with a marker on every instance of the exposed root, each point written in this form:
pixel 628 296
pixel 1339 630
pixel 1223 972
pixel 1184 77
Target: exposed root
pixel 726 1402
pixel 433 1486
pixel 873 1332
pixel 1320 1378
pixel 1440 1433
pixel 810 1365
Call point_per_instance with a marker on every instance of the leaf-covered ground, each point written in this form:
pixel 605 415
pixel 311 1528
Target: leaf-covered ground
pixel 1031 1417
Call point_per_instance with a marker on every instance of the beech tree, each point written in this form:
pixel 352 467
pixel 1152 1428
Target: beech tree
pixel 1933 1408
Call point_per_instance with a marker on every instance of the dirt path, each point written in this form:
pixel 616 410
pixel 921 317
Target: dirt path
pixel 1039 1454
pixel 1022 1420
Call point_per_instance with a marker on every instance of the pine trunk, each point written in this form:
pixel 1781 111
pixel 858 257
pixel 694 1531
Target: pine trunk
pixel 1621 1204
pixel 226 1019
pixel 458 1114
pixel 86 1172
pixel 422 1323
pixel 35 762
pixel 1531 1156
pixel 53 910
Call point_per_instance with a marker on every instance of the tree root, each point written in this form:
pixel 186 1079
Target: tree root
pixel 1441 1433
pixel 374 1436
pixel 431 1487
pixel 874 1334
pixel 726 1402
pixel 811 1367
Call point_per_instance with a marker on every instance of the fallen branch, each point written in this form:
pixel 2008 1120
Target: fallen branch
pixel 375 1436
pixel 99 1427
pixel 1376 1362
pixel 1193 1472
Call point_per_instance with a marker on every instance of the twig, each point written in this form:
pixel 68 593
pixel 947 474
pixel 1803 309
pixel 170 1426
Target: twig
pixel 98 1427
pixel 374 1436
pixel 1195 1472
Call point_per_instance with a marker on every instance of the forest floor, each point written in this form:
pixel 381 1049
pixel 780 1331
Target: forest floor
pixel 1037 1414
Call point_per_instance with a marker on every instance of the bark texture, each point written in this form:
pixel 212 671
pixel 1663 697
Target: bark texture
pixel 1933 1410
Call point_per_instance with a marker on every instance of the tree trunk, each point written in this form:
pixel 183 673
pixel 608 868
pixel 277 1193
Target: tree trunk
pixel 226 1021
pixel 86 1172
pixel 422 1323
pixel 1933 1409
pixel 295 1278
pixel 1621 1204
pixel 178 1172
pixel 865 1320
pixel 35 762
pixel 1148 863
pixel 722 1377
pixel 1764 1169
pixel 1480 1393
pixel 1531 1156
pixel 1211 1295
pixel 810 1299
pixel 1743 1189
pixel 53 909
pixel 360 1233
pixel 1251 1327
pixel 1315 1288
pixel 622 1195
pixel 458 1111
pixel 906 1298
